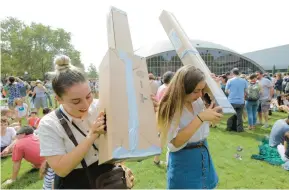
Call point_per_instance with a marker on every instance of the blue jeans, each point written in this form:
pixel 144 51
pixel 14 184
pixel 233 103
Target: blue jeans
pixel 251 107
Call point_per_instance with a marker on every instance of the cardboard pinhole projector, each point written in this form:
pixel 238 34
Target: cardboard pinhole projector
pixel 125 96
pixel 188 54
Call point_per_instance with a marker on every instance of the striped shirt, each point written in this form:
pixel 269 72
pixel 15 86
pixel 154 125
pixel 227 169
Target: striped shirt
pixel 48 179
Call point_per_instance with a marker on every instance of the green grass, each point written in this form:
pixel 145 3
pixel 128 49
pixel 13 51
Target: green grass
pixel 233 173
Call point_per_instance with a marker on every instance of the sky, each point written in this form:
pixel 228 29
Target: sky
pixel 241 25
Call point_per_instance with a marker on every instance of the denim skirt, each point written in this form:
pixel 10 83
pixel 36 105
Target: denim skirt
pixel 191 168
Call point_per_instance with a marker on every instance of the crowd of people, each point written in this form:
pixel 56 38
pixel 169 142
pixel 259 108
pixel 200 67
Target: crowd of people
pixel 36 94
pixel 254 97
pixel 62 142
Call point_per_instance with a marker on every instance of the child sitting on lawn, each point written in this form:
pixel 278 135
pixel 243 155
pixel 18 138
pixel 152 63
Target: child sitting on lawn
pixel 33 120
pixel 21 110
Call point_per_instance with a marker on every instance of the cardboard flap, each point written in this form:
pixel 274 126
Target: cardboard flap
pixel 118 32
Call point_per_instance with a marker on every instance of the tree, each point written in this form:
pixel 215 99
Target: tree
pixel 32 48
pixel 288 69
pixel 92 71
pixel 274 69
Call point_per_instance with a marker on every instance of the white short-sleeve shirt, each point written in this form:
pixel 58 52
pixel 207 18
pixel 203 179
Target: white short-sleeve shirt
pixel 22 110
pixel 54 140
pixel 186 118
pixel 7 139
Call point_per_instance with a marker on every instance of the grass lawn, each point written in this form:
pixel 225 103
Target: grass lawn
pixel 233 173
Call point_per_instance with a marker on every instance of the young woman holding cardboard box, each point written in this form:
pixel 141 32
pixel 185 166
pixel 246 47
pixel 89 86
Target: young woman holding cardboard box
pixel 67 135
pixel 184 124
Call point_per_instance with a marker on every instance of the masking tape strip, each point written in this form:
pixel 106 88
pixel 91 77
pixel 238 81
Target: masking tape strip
pixel 133 120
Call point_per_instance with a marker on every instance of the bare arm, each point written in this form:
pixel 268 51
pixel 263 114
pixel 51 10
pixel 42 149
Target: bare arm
pixel 271 92
pixel 19 80
pixel 16 168
pixel 28 88
pixel 261 89
pixel 10 147
pixel 64 164
pixel 34 92
pixel 186 133
pixel 16 113
pixel 245 92
pixel 227 87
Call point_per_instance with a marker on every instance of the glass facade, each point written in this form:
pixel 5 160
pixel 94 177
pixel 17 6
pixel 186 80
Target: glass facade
pixel 218 61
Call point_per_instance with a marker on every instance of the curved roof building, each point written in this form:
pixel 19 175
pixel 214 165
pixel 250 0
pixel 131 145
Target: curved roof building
pixel 161 57
pixel 278 56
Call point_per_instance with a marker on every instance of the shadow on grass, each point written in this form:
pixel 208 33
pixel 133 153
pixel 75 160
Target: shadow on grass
pixel 257 134
pixel 245 134
pixel 29 177
pixel 4 159
pixel 161 167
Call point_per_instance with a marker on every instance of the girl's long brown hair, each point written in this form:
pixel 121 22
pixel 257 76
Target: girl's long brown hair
pixel 171 105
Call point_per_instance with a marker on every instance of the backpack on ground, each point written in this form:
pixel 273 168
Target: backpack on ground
pixel 253 92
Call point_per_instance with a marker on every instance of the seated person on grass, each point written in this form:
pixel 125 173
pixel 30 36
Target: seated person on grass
pixel 10 115
pixel 21 110
pixel 33 120
pixel 282 103
pixel 279 137
pixel 283 150
pixel 27 146
pixel 7 136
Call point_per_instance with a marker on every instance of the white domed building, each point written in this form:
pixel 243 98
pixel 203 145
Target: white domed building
pixel 161 57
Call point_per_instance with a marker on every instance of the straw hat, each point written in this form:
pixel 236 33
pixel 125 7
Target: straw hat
pixel 38 81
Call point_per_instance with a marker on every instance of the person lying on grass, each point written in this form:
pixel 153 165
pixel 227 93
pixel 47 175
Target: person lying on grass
pixel 26 147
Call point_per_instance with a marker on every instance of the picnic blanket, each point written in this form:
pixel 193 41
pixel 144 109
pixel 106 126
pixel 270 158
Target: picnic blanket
pixel 268 154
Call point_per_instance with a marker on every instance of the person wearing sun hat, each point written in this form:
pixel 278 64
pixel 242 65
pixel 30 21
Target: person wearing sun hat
pixel 40 100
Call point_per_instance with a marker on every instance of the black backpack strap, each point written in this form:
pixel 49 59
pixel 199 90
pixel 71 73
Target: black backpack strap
pixel 76 127
pixel 68 131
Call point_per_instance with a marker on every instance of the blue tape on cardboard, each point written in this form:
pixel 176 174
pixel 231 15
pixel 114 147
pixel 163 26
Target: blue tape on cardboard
pixel 133 123
pixel 188 51
pixel 175 40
